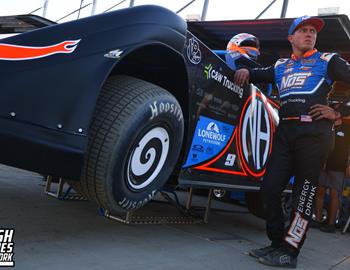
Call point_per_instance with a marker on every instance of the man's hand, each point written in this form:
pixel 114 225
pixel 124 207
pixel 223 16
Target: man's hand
pixel 242 77
pixel 320 111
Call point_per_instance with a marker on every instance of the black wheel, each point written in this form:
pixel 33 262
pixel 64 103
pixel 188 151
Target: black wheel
pixel 256 205
pixel 134 143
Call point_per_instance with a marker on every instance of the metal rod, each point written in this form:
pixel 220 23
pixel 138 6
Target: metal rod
pixel 114 6
pixel 205 9
pixel 94 5
pixel 185 6
pixel 284 9
pixel 189 199
pixel 207 208
pixel 346 225
pixel 35 10
pixel 46 4
pixel 81 3
pixel 60 187
pixel 132 3
pixel 48 184
pixel 73 12
pixel 262 12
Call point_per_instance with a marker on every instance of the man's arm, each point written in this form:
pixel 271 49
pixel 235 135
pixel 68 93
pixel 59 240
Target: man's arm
pixel 339 69
pixel 320 111
pixel 254 75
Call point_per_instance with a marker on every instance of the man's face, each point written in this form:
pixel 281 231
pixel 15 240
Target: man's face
pixel 304 38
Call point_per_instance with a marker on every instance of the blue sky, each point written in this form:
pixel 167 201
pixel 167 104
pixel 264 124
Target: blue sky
pixel 218 9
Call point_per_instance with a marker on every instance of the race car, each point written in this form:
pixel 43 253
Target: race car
pixel 120 102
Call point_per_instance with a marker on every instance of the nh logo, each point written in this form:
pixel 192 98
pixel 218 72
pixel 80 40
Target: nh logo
pixel 294 80
pixel 256 131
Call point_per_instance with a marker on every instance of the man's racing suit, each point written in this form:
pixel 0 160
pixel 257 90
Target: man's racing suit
pixel 301 144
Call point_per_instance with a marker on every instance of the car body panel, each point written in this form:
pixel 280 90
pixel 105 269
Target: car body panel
pixel 48 99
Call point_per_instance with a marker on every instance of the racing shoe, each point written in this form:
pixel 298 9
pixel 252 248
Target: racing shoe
pixel 259 252
pixel 279 258
pixel 328 228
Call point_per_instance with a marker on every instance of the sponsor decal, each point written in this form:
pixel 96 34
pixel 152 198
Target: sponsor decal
pixel 6 247
pixel 197 147
pixel 288 70
pixel 193 51
pixel 296 231
pixel 12 52
pixel 340 134
pixel 210 134
pixel 114 54
pixel 293 100
pixel 209 150
pixel 306 198
pixel 165 107
pixel 200 92
pixel 295 80
pixel 212 74
pixel 255 139
pixel 126 203
pixel 285 259
pixel 230 160
pixel 305 68
pixel 308 61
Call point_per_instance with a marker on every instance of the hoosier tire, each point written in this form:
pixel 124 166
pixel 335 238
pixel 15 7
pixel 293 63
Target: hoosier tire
pixel 134 142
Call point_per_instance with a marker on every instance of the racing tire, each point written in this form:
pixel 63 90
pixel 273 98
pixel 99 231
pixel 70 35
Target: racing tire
pixel 134 143
pixel 256 205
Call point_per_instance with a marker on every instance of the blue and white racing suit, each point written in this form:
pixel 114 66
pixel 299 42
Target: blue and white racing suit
pixel 301 144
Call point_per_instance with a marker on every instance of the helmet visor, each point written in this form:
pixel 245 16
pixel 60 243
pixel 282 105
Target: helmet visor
pixel 251 51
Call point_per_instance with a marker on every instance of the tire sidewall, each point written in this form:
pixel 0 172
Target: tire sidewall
pixel 153 112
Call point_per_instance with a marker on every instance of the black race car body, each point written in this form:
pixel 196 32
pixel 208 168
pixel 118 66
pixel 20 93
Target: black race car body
pixel 51 78
pixel 51 81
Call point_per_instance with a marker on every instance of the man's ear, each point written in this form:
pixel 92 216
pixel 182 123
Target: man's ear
pixel 290 39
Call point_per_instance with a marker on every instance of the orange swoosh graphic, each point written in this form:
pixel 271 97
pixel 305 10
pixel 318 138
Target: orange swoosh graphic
pixel 17 52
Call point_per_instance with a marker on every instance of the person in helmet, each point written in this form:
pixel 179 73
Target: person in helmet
pixel 242 50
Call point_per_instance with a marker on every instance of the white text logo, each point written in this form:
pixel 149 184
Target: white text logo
pixel 297 230
pixel 296 80
pixel 255 135
pixel 193 52
pixel 6 247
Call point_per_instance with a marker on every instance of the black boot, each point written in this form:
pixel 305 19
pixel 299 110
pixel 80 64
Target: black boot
pixel 259 252
pixel 279 258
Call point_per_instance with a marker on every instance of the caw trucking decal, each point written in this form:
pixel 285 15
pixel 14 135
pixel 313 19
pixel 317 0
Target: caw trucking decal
pixel 12 52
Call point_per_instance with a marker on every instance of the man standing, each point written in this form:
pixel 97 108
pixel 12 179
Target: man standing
pixel 302 140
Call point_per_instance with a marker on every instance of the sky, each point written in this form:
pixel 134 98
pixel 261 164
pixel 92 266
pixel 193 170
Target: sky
pixel 217 10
